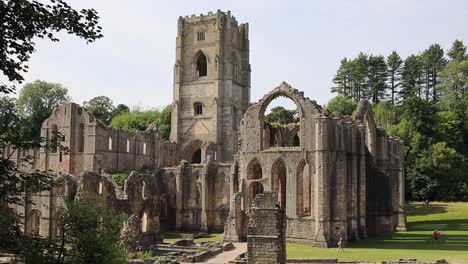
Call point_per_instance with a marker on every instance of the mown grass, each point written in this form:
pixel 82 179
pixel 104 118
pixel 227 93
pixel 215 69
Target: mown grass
pixel 451 219
pixel 170 237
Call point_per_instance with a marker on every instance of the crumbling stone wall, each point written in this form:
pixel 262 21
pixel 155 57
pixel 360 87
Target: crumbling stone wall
pixel 344 173
pixel 266 240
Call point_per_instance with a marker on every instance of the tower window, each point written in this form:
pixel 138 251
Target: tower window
pixel 128 145
pixel 200 35
pixel 201 65
pixel 198 108
pixel 235 68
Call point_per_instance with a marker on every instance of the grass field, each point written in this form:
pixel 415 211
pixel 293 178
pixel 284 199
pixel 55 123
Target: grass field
pixel 451 219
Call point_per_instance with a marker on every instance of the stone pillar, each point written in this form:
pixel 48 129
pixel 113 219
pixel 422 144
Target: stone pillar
pixel 266 240
pixel 179 187
pixel 353 233
pixel 322 182
pixel 401 195
pixel 339 218
pixel 234 229
pixel 204 198
pixel 362 182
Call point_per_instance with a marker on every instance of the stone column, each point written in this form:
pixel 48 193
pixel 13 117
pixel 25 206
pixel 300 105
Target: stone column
pixel 401 195
pixel 179 205
pixel 266 240
pixel 204 196
pixel 353 187
pixel 322 182
pixel 341 200
pixel 362 182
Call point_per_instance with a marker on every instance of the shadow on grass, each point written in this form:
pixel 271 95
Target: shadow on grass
pixel 415 239
pixel 421 209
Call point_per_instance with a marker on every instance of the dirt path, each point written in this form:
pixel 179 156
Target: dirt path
pixel 226 256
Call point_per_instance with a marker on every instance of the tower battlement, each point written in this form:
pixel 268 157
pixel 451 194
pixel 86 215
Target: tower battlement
pixel 220 16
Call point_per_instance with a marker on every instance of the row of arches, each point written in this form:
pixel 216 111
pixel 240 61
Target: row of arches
pixel 278 180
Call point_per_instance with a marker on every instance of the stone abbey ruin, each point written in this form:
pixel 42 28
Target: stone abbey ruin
pixel 333 176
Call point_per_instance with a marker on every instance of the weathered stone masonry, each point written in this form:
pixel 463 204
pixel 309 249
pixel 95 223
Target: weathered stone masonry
pixel 333 176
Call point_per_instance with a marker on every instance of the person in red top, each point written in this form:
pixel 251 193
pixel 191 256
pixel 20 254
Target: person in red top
pixel 435 235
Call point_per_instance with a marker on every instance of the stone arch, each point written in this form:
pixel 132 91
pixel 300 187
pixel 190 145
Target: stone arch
pixel 200 62
pixel 254 170
pixel 294 137
pixel 303 189
pixel 279 174
pixel 282 91
pixel 34 222
pixel 193 151
pixel 255 187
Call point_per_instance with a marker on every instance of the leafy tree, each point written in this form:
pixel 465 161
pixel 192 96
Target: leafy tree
pixel 120 109
pixel 342 105
pixel 394 68
pixel 38 100
pixel 25 21
pixel 282 116
pixel 458 51
pixel 88 233
pixel 138 120
pixel 387 116
pixel 101 107
pixel 454 80
pixel 376 81
pixel 359 68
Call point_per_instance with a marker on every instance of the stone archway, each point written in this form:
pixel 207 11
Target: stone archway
pixel 255 188
pixel 278 177
pixel 33 226
pixel 193 152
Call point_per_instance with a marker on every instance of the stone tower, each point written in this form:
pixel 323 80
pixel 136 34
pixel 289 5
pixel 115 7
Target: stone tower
pixel 211 85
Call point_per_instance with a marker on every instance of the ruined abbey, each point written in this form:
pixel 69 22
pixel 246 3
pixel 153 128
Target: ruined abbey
pixel 334 176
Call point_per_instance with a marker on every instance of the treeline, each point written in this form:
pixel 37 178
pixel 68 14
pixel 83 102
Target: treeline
pixel 423 99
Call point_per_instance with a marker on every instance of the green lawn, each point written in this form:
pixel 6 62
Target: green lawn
pixel 449 218
pixel 170 237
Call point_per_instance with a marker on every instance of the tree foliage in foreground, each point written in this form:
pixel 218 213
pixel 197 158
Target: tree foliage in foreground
pixel 88 232
pixel 282 116
pixel 23 22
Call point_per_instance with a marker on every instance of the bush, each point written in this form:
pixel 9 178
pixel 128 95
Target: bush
pixel 120 178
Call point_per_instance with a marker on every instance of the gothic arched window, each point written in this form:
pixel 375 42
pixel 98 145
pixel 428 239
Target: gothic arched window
pixel 235 67
pixel 202 65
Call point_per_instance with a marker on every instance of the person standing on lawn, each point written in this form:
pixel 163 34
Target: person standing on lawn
pixel 435 235
pixel 340 245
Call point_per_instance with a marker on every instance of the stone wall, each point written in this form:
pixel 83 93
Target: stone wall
pixel 266 240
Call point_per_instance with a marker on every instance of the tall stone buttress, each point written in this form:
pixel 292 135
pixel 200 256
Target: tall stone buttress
pixel 211 85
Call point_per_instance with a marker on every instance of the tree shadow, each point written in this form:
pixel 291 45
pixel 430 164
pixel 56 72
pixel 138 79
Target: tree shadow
pixel 421 209
pixel 415 239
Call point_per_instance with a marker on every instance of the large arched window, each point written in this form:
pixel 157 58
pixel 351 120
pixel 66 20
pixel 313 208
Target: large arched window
pixel 34 222
pixel 281 123
pixel 197 108
pixel 279 176
pixel 202 67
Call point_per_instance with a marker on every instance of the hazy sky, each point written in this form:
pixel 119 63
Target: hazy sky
pixel 300 42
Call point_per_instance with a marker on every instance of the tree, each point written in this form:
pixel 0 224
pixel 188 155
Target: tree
pixel 411 77
pixel 8 114
pixel 387 116
pixel 101 107
pixel 433 62
pixel 120 109
pixel 342 79
pixel 22 22
pixel 88 233
pixel 394 68
pixel 282 116
pixel 38 100
pixel 358 74
pixel 458 51
pixel 342 105
pixel 376 81
pixel 454 80
pixel 138 120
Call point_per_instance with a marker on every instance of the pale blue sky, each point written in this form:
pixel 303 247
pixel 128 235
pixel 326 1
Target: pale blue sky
pixel 300 42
